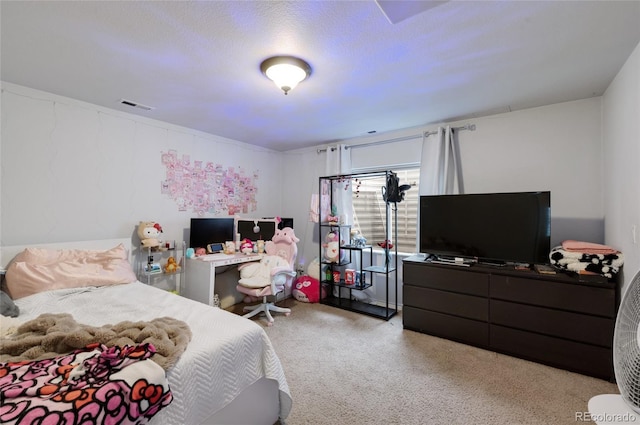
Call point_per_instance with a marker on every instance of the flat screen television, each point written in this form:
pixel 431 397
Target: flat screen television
pixel 205 231
pixel 490 227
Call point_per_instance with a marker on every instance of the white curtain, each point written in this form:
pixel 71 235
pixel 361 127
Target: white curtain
pixel 440 166
pixel 338 160
pixel 339 164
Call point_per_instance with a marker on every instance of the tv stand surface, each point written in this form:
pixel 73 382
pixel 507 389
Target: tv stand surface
pixel 552 319
pixel 450 260
pixel 492 263
pixel 450 263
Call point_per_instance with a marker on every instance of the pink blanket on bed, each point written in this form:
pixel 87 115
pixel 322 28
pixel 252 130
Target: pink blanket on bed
pixel 94 385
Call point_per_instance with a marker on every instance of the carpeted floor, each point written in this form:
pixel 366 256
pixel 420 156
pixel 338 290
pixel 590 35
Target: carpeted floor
pixel 348 368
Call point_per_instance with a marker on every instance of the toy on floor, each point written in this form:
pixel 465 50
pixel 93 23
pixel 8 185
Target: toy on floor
pixel 306 288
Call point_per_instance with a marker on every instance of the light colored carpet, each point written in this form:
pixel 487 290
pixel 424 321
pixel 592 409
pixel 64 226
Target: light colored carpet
pixel 348 368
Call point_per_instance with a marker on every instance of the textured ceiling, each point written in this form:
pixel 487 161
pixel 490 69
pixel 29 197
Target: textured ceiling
pixel 197 62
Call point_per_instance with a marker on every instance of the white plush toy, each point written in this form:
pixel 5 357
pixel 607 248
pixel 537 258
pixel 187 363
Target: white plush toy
pixel 332 248
pixel 258 275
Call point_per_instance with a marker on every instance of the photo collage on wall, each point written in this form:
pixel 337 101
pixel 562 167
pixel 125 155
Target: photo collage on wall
pixel 208 188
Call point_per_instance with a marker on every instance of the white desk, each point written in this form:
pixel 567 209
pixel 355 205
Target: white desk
pixel 200 280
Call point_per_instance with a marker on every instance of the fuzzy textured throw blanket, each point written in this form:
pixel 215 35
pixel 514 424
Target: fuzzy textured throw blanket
pixel 50 335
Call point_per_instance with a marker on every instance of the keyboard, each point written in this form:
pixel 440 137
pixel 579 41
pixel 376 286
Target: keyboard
pixel 215 257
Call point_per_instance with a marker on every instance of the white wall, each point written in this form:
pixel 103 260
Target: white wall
pixel 53 148
pixel 76 171
pixel 556 147
pixel 621 159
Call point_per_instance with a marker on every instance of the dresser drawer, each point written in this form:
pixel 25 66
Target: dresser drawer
pixel 582 358
pixel 451 327
pixel 467 306
pixel 447 279
pixel 564 296
pixel 563 324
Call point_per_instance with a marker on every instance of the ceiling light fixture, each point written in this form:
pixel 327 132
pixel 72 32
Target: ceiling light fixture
pixel 285 71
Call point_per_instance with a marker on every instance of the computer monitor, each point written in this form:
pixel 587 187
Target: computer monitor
pixel 205 231
pixel 284 222
pixel 256 229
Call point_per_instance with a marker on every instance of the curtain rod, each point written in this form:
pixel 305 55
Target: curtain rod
pixel 470 127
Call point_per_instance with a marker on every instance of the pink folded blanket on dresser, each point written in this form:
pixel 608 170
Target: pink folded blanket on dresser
pixel 592 258
pixel 587 247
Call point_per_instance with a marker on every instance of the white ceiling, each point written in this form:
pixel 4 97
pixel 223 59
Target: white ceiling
pixel 197 62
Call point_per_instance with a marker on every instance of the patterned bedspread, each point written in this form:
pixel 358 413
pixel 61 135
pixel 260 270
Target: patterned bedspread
pixel 607 265
pixel 94 385
pixel 226 355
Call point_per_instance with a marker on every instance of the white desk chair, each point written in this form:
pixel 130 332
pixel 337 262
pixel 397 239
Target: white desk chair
pixel 271 275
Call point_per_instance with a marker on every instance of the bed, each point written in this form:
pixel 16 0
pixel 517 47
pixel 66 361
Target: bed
pixel 229 372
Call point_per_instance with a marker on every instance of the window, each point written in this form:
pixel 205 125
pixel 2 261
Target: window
pixel 369 209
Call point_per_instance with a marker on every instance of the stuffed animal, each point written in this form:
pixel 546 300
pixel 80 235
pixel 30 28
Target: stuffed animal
pixel 333 218
pixel 332 248
pixel 172 266
pixel 357 239
pixel 148 232
pixel 307 288
pixel 283 244
pixel 246 247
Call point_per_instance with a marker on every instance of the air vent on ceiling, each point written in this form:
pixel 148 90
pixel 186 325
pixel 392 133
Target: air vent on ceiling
pixel 136 105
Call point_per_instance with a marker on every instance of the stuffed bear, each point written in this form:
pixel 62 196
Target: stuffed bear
pixel 306 288
pixel 148 232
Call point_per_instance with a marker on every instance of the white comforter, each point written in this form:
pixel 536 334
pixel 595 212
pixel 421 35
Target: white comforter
pixel 226 354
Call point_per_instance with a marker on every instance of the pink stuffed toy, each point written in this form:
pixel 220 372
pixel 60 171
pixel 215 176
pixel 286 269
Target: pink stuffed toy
pixel 246 247
pixel 283 244
pixel 307 288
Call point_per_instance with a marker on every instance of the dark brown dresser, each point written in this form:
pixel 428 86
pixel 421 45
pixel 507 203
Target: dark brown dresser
pixel 556 319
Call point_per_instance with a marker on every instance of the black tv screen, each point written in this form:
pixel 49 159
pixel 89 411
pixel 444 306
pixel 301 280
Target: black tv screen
pixel 205 231
pixel 503 227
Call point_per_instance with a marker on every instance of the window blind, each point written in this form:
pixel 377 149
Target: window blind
pixel 369 210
